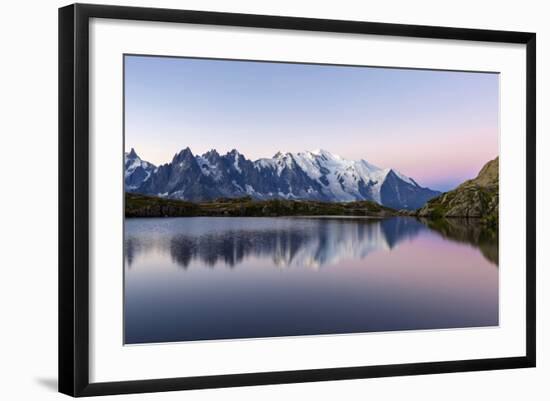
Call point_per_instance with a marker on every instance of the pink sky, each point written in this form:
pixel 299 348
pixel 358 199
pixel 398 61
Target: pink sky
pixel 438 127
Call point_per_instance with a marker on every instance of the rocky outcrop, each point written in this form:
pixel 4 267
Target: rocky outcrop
pixel 476 198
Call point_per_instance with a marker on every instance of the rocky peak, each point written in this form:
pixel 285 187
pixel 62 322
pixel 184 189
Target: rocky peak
pixel 488 175
pixel 132 154
pixel 475 198
pixel 211 155
pixel 183 155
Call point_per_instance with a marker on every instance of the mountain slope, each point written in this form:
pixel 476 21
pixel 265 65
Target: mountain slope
pixel 313 175
pixel 135 170
pixel 477 198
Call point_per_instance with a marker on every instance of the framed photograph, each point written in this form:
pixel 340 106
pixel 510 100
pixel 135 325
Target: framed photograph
pixel 250 199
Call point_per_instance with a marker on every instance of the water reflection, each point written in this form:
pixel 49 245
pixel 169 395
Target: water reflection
pixel 468 231
pixel 309 242
pixel 221 278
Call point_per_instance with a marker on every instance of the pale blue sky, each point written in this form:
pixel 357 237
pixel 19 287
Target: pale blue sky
pixel 435 126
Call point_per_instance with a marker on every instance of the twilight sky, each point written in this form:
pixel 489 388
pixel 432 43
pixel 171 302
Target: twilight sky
pixel 437 127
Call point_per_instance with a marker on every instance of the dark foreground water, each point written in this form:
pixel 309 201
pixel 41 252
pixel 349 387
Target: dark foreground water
pixel 210 278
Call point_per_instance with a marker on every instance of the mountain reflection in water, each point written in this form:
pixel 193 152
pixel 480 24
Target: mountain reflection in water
pixel 309 242
pixel 209 278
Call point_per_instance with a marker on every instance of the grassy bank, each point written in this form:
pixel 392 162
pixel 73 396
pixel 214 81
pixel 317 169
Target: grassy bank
pixel 150 206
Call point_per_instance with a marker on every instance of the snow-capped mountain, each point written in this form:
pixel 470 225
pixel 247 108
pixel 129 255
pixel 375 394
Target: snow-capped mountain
pixel 312 175
pixel 136 171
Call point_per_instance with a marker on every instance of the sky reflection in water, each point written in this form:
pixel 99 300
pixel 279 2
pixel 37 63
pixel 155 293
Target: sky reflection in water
pixel 221 278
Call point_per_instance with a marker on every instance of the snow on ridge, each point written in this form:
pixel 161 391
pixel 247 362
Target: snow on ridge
pixel 236 163
pixel 323 152
pixel 310 161
pixel 334 177
pixel 344 176
pixel 404 177
pixel 208 168
pixel 265 163
pixel 132 163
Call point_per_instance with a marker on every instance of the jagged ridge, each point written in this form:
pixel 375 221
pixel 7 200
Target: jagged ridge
pixel 313 175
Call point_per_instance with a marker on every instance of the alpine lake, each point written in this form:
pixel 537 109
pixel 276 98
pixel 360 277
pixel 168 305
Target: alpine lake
pixel 212 278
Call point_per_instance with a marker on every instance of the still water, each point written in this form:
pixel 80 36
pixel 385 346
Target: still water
pixel 208 278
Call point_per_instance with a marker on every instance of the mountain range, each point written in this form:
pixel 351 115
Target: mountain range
pixel 311 175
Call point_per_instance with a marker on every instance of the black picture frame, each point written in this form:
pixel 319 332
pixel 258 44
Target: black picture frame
pixel 74 192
